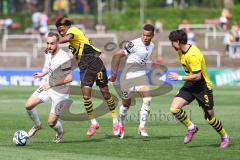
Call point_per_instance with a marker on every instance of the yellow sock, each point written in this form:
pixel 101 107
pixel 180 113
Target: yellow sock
pixel 89 108
pixel 182 116
pixel 111 105
pixel 217 125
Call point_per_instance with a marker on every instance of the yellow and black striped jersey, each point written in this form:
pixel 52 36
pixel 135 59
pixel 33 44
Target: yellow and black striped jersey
pixel 193 61
pixel 80 44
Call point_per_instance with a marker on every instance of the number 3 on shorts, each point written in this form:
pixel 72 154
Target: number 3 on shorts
pixel 99 75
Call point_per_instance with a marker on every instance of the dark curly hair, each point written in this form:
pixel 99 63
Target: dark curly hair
pixel 64 21
pixel 178 35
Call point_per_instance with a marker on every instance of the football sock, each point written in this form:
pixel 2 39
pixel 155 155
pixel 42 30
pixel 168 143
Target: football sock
pixel 111 105
pixel 34 116
pixel 122 113
pixel 143 117
pixel 217 125
pixel 182 116
pixel 144 112
pixel 58 127
pixel 93 121
pixel 89 107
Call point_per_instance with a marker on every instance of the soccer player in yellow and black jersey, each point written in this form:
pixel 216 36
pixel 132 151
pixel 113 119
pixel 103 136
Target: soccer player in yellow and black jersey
pixel 91 69
pixel 197 86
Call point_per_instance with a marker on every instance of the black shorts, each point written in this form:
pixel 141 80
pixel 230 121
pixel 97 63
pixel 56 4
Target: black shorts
pixel 92 69
pixel 204 97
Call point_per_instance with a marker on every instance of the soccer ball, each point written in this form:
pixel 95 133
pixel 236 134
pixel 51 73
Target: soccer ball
pixel 20 138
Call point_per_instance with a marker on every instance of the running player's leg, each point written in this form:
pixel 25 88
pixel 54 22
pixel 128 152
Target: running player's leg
pixel 102 82
pixel 39 96
pixel 89 108
pixel 144 92
pixel 57 108
pixel 88 77
pixel 54 123
pixel 205 100
pixel 183 98
pixel 122 115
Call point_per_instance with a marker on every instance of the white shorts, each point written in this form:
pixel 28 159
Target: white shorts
pixel 132 84
pixel 58 99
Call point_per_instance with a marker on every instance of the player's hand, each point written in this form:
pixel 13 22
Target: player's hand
pixel 173 76
pixel 37 75
pixel 46 86
pixel 112 78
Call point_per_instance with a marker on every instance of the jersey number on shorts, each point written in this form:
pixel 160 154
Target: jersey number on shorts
pixel 100 75
pixel 39 90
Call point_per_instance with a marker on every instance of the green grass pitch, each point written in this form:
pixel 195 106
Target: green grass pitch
pixel 165 141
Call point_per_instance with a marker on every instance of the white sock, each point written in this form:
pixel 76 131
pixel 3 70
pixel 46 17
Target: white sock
pixel 122 113
pixel 58 127
pixel 93 121
pixel 191 126
pixel 143 118
pixel 115 120
pixel 144 111
pixel 34 116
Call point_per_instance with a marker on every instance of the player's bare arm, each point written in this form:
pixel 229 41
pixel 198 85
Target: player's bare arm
pixel 66 38
pixel 190 77
pixel 41 74
pixel 115 64
pixel 66 80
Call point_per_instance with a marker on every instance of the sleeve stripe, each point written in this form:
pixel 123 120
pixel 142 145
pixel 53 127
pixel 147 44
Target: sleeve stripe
pixel 127 50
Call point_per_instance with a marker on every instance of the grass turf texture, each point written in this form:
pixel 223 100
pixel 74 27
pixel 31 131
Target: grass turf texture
pixel 166 134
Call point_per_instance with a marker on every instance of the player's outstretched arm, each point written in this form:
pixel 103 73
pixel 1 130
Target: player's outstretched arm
pixel 115 64
pixel 66 38
pixel 42 74
pixel 190 77
pixel 67 79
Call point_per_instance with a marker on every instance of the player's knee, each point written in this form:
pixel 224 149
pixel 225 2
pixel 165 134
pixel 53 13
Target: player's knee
pixel 51 123
pixel 147 100
pixel 86 98
pixel 29 105
pixel 174 110
pixel 126 103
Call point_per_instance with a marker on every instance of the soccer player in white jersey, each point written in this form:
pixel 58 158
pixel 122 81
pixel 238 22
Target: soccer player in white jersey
pixel 134 76
pixel 57 68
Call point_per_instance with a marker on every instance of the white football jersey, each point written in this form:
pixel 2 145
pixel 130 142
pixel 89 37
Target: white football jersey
pixel 138 52
pixel 137 56
pixel 59 65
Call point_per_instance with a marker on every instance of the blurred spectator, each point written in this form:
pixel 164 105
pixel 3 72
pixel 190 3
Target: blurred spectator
pixel 39 22
pixel 100 28
pixel 9 24
pixel 224 20
pixel 190 35
pixel 61 6
pixel 149 21
pixel 43 24
pixel 169 2
pixel 158 26
pixel 230 40
pixel 36 17
pixel 86 6
pixel 79 6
